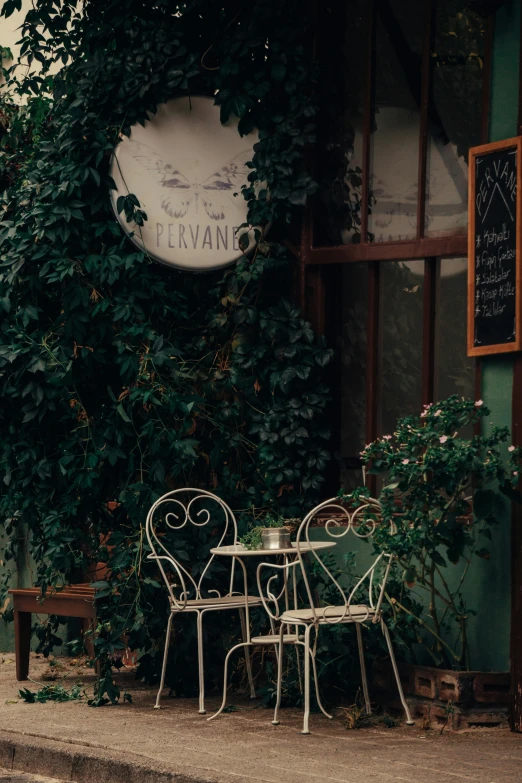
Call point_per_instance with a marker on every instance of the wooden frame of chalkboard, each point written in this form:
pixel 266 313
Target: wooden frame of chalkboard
pixel 494 252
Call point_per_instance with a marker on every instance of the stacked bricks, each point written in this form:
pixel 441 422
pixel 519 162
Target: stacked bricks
pixel 450 699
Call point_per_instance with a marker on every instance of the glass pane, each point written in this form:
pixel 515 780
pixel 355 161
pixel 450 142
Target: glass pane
pixel 342 51
pixel 353 370
pixel 455 115
pixel 395 137
pixel 455 372
pixel 402 284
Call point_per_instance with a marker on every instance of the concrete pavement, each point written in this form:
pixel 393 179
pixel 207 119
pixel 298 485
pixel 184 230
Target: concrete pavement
pixel 22 777
pixel 133 743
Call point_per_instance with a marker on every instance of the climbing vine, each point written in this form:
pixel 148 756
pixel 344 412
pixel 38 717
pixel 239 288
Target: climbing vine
pixel 120 379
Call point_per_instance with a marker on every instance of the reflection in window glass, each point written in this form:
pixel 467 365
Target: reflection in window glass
pixel 455 115
pixel 454 370
pixel 402 285
pixel 395 138
pixel 353 370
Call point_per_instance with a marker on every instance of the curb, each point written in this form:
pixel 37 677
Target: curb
pixel 76 764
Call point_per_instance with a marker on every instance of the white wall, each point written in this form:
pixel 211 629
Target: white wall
pixel 10 34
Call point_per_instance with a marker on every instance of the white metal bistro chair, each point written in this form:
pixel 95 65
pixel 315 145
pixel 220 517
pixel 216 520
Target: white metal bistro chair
pixel 172 513
pixel 290 633
pixel 339 522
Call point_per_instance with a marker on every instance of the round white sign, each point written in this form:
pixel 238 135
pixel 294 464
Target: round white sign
pixel 186 169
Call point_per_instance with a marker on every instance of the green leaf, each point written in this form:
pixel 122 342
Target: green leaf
pixel 27 695
pixel 438 559
pixel 123 413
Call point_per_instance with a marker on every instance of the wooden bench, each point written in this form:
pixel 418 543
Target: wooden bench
pixel 72 601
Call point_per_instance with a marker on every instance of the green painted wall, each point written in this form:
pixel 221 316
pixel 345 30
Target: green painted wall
pixel 490 584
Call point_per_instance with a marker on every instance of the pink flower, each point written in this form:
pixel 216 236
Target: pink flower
pixel 479 403
pixel 405 461
pixel 386 437
pixel 423 414
pixel 511 448
pixel 443 439
pixel 437 413
pixel 515 472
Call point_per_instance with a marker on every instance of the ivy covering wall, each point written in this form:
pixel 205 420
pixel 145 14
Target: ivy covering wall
pixel 120 379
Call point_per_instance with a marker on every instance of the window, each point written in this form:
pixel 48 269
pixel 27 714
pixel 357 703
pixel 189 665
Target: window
pixel 404 93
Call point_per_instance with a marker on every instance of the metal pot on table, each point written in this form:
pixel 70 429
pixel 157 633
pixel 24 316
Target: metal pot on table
pixel 276 538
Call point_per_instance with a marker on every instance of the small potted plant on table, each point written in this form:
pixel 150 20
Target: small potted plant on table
pixel 274 533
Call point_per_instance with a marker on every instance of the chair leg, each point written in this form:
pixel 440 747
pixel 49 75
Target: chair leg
pixel 225 679
pixel 386 633
pixel 307 656
pixel 248 655
pixel 165 657
pixel 363 670
pixel 316 679
pixel 280 654
pixel 297 648
pixel 201 664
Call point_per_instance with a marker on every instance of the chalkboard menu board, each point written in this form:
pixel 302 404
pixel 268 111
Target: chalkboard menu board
pixel 494 324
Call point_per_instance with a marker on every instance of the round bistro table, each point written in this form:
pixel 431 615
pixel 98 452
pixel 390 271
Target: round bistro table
pixel 238 552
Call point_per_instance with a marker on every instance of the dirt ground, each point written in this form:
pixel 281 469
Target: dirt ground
pixel 175 743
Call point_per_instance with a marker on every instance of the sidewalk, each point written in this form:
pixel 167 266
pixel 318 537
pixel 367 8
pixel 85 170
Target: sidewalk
pixel 23 777
pixel 133 743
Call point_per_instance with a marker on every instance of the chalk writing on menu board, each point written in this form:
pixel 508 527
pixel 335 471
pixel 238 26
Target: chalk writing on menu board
pixel 495 248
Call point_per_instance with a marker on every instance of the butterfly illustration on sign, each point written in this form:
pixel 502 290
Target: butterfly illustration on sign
pixel 180 192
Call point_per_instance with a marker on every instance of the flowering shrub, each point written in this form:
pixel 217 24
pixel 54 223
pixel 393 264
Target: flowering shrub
pixel 442 495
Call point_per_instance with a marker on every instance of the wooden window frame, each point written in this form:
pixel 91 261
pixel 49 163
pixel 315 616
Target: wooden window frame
pixel 421 246
pixel 314 288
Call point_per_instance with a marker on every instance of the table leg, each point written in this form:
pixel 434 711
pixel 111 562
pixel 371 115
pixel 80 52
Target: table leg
pixel 22 629
pixel 225 677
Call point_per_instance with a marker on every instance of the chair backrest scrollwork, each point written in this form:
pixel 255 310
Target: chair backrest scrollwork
pixel 177 511
pixel 339 521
